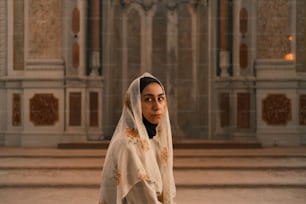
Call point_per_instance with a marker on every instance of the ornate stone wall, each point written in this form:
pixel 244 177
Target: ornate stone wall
pixel 45 29
pixel 301 35
pixel 274 27
pixel 18 38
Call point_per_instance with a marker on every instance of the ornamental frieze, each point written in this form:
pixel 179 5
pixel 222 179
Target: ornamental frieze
pixel 276 109
pixel 44 109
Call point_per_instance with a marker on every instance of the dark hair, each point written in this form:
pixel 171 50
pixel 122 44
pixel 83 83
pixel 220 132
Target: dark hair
pixel 144 81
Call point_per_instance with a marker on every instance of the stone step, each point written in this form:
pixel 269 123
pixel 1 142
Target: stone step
pixel 252 168
pixel 196 178
pixel 200 163
pixel 177 144
pixel 183 196
pixel 261 176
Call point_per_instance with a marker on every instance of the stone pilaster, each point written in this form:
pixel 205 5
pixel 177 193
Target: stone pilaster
pixel 3 39
pixel 95 37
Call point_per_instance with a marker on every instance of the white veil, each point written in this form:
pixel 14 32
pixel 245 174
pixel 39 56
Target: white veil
pixel 133 157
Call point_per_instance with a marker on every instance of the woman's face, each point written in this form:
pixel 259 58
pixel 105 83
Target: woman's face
pixel 153 102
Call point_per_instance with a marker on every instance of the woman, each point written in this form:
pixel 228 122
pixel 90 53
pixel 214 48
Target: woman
pixel 138 167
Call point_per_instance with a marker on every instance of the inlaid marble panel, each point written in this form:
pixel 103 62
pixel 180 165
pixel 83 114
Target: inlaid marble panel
pixel 243 54
pixel 93 109
pixel 16 110
pixel 276 109
pixel 45 28
pixel 302 109
pixel 224 105
pixel 243 110
pixel 44 109
pixel 18 38
pixel 274 26
pixel 75 108
pixel 243 21
pixel 75 21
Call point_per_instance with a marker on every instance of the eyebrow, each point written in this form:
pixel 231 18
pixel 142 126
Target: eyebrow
pixel 162 94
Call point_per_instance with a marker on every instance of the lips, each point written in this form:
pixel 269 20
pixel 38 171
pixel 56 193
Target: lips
pixel 157 115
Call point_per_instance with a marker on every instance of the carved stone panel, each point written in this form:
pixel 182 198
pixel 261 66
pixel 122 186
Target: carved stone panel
pixel 224 105
pixel 93 109
pixel 18 37
pixel 75 108
pixel 276 109
pixel 44 109
pixel 45 29
pixel 302 109
pixel 16 110
pixel 273 28
pixel 243 110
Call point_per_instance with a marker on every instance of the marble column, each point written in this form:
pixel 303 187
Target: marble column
pixel 3 47
pixel 95 37
pixel 224 52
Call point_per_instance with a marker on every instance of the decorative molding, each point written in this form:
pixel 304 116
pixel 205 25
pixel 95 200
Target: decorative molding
pixel 44 109
pixel 276 109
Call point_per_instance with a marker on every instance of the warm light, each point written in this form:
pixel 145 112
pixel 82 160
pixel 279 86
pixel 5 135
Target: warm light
pixel 289 56
pixel 290 38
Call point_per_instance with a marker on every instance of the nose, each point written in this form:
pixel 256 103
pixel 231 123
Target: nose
pixel 156 105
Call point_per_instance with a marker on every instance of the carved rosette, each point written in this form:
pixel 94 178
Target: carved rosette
pixel 276 109
pixel 44 109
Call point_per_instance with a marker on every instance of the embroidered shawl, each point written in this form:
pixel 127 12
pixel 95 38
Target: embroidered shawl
pixel 133 157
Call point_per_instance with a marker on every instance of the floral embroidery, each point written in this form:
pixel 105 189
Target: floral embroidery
pixel 164 155
pixel 144 177
pixel 118 178
pixel 132 133
pixel 160 197
pixel 158 131
pixel 144 145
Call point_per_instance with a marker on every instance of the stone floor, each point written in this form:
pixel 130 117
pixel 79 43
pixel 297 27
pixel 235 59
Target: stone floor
pixel 267 175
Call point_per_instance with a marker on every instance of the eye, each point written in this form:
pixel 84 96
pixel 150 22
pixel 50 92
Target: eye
pixel 161 98
pixel 148 99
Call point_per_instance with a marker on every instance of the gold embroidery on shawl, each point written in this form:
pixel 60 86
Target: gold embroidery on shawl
pixel 160 197
pixel 118 178
pixel 144 177
pixel 164 155
pixel 132 133
pixel 158 131
pixel 144 145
